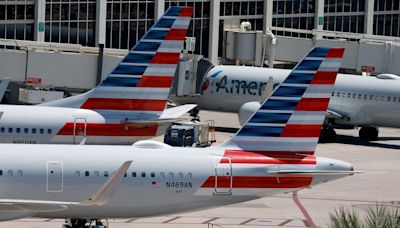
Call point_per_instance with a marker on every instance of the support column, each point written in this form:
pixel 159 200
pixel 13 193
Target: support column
pixel 319 17
pixel 268 10
pixel 159 8
pixel 101 16
pixel 40 12
pixel 369 17
pixel 214 31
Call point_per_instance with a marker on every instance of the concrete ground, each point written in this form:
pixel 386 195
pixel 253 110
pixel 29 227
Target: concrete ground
pixel 379 182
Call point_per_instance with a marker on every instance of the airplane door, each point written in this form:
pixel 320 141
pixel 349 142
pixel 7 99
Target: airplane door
pixel 80 125
pixel 54 176
pixel 223 176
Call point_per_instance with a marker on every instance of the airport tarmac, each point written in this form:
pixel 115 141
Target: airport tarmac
pixel 379 182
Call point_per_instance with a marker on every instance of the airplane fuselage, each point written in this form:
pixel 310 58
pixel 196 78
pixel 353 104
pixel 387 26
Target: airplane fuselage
pixel 363 100
pixel 44 125
pixel 154 183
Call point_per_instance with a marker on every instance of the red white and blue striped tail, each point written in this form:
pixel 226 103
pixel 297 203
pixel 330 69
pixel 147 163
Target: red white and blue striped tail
pixel 138 87
pixel 291 119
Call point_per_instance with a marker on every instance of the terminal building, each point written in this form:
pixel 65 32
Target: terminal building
pixel 118 24
pixel 68 35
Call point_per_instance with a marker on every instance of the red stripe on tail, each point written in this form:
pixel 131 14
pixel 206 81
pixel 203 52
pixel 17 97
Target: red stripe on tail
pixel 124 104
pixel 156 81
pixel 313 104
pixel 301 130
pixel 165 58
pixel 335 53
pixel 176 34
pixel 324 77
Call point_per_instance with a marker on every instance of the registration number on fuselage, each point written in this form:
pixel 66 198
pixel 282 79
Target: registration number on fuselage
pixel 179 184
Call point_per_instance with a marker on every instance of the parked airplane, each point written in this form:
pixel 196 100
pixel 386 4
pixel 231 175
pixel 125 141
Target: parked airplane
pixel 3 87
pixel 357 101
pixel 127 106
pixel 272 153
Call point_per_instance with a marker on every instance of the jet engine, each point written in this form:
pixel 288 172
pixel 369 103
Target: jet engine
pixel 247 110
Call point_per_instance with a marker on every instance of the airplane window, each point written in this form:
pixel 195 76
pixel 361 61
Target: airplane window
pixel 77 173
pixel 19 172
pixel 189 175
pixel 180 175
pixel 49 131
pixel 143 174
pixel 105 173
pixel 389 98
pixel 338 94
pixel 348 95
pixel 26 130
pixel 10 130
pixel 333 94
pixel 133 174
pixel 376 97
pixel 394 99
pixel 87 173
pixel 41 131
pixel 382 98
pixel 96 174
pixel 359 96
pixel 152 174
pixel 9 172
pixel 126 174
pixel 365 96
pixel 171 175
pixel 354 96
pixel 371 97
pixel 33 130
pixel 18 130
pixel 1 172
pixel 162 175
pixel 2 130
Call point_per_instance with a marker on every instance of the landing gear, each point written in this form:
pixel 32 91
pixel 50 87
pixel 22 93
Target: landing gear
pixel 328 135
pixel 81 223
pixel 369 133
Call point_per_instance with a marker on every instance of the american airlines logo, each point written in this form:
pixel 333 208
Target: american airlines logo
pixel 241 87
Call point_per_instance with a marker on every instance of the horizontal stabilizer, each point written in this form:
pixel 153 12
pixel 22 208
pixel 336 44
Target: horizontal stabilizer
pixel 176 112
pixel 310 172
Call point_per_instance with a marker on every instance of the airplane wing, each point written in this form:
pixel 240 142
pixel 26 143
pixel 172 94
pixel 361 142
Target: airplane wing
pixel 3 87
pixel 101 197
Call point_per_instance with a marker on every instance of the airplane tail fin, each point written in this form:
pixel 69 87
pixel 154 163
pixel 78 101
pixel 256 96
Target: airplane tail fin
pixel 290 120
pixel 3 87
pixel 141 82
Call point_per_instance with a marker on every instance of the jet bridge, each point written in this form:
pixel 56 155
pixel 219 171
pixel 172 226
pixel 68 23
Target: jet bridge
pixel 364 53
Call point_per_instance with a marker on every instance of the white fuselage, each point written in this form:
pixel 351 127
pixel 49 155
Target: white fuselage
pixel 364 100
pixel 43 125
pixel 159 181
